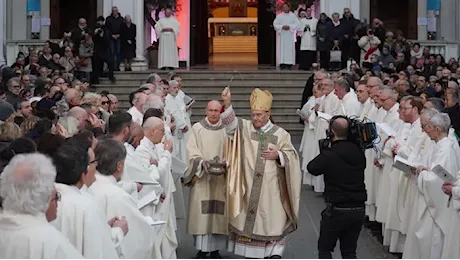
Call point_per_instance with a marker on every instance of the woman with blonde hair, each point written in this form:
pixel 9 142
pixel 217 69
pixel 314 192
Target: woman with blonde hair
pixel 9 132
pixel 28 124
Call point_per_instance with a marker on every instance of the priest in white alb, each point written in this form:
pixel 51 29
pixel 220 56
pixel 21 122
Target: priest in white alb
pixel 110 156
pixel 207 208
pixel 167 29
pixel 307 31
pixel 349 104
pixel 79 218
pixel 331 106
pixel 151 149
pixel 30 201
pixel 451 248
pixel 264 180
pixel 309 117
pixel 285 25
pixel 431 223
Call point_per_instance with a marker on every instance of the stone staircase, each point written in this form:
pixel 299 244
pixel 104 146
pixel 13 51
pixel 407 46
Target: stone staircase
pixel 205 85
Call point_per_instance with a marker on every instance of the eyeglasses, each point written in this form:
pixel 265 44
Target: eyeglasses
pixel 16 86
pixel 405 108
pixel 93 161
pixel 105 102
pixel 57 197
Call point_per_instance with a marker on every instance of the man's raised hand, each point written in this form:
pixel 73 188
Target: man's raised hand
pixel 226 97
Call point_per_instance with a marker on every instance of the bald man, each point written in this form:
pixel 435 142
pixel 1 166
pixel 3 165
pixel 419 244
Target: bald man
pixel 344 216
pixel 81 115
pixel 207 218
pixel 72 97
pixel 152 150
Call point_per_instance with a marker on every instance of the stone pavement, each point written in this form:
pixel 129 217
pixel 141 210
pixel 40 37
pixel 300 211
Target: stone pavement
pixel 302 244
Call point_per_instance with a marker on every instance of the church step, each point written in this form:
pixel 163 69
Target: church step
pixel 216 82
pixel 217 74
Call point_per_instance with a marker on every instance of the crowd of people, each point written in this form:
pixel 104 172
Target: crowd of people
pixel 114 180
pixel 412 210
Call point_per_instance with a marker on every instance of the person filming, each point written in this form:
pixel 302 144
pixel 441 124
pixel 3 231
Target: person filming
pixel 342 162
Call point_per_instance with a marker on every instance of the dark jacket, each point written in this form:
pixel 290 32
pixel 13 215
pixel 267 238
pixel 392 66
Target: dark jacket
pixel 114 24
pixel 454 114
pixel 324 30
pixel 102 40
pixel 343 168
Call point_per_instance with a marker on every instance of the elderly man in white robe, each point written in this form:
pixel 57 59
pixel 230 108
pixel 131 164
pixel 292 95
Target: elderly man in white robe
pixel 349 104
pixel 308 115
pixel 137 100
pixel 207 214
pixel 286 24
pixel 331 106
pixel 110 157
pixel 388 99
pixel 167 30
pixel 30 201
pixel 307 31
pixel 403 145
pixel 151 149
pixel 431 220
pixel 79 218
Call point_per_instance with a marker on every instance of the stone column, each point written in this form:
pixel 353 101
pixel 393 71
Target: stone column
pixel 138 18
pixel 45 13
pixel 422 33
pixel 2 30
pixel 365 10
pixel 447 19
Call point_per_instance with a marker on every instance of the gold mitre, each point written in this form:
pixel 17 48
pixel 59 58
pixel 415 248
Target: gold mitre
pixel 261 100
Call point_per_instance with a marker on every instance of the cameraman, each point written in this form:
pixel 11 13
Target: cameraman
pixel 343 165
pixel 102 51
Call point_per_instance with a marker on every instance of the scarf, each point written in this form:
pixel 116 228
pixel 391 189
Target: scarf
pixel 417 55
pixel 369 52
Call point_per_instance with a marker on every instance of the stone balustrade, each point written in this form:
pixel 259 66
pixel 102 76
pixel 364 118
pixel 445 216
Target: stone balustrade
pixel 445 48
pixel 15 47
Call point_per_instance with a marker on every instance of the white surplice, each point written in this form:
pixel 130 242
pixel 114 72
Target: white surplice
pixel 137 115
pixel 32 237
pixel 386 160
pixel 451 249
pixel 286 39
pixel 85 225
pixel 431 219
pixel 308 40
pixel 166 235
pixel 168 54
pixel 371 174
pixel 175 106
pixel 349 105
pixel 115 202
pixel 308 139
pixel 408 138
pixel 330 105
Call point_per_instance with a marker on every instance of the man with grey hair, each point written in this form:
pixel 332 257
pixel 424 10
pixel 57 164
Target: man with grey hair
pixel 430 227
pixel 154 78
pixel 114 201
pixel 349 104
pixel 388 99
pixel 153 101
pixel 113 103
pixel 12 92
pixel 150 149
pixel 30 201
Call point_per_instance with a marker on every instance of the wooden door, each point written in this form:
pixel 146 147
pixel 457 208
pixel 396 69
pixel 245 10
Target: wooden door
pixel 64 15
pixel 266 38
pixel 199 41
pixel 55 19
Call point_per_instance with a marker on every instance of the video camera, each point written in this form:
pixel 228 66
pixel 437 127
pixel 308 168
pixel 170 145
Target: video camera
pixel 361 132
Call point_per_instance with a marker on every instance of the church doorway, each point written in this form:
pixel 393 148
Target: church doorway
pixel 397 15
pixel 232 33
pixel 65 15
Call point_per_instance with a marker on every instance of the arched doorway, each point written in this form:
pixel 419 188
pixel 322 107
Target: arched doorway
pixel 65 14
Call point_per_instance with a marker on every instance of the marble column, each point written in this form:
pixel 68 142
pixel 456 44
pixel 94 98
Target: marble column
pixel 365 10
pixel 333 6
pixel 138 18
pixel 2 31
pixel 447 19
pixel 422 33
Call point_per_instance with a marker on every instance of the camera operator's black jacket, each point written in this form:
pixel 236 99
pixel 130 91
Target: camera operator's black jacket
pixel 343 167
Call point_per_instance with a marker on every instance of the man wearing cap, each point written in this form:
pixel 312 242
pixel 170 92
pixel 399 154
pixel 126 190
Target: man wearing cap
pixel 264 180
pixel 6 112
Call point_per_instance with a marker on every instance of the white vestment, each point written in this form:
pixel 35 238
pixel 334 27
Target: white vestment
pixel 85 225
pixel 32 237
pixel 168 54
pixel 166 235
pixel 286 39
pixel 175 106
pixel 408 138
pixel 137 115
pixel 371 176
pixel 451 249
pixel 431 216
pixel 308 40
pixel 386 160
pixel 308 139
pixel 115 202
pixel 349 105
pixel 331 106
